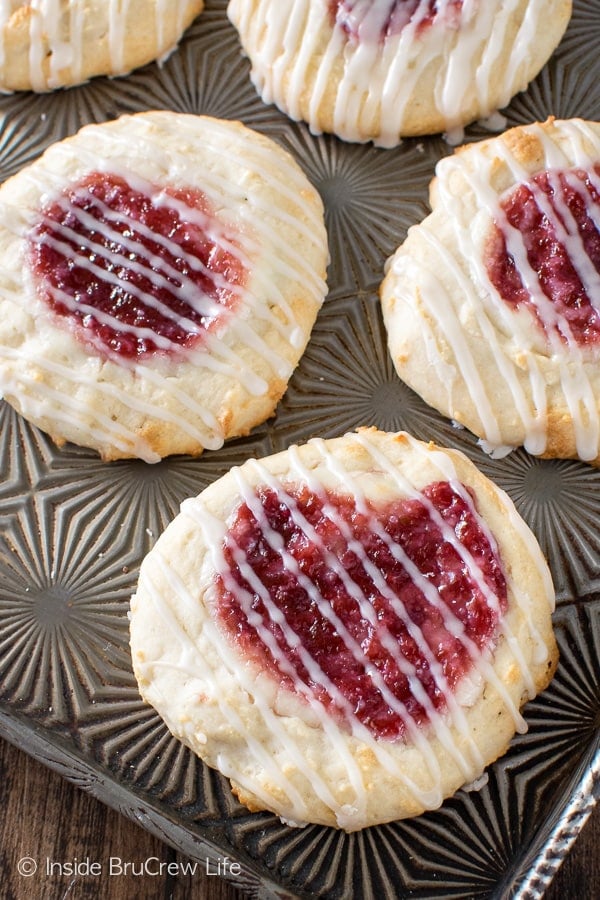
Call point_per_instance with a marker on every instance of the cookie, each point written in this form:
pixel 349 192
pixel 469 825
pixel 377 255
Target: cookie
pixel 52 44
pixel 491 304
pixel 388 69
pixel 347 630
pixel 160 277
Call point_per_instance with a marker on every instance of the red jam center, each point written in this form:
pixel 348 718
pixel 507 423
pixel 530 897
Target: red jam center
pixel 134 273
pixel 366 658
pixel 371 21
pixel 557 215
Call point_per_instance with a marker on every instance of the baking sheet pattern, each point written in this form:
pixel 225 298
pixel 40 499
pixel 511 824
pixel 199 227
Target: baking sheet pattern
pixel 74 530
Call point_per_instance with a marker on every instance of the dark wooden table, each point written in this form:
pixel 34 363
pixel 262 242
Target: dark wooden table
pixel 48 820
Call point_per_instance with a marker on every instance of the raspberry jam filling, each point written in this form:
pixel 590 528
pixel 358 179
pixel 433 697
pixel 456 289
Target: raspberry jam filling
pixel 329 597
pixel 557 217
pixel 374 20
pixel 134 271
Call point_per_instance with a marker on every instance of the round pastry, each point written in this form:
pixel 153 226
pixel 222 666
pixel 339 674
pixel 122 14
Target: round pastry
pixel 160 277
pixel 347 630
pixel 492 302
pixel 383 69
pixel 48 44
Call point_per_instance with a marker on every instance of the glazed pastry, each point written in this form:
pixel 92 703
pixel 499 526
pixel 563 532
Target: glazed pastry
pixel 48 44
pixel 491 304
pixel 383 69
pixel 160 277
pixel 347 630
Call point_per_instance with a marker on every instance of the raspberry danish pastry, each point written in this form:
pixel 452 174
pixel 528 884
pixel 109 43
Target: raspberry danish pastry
pixel 347 630
pixel 492 304
pixel 160 277
pixel 48 44
pixel 383 69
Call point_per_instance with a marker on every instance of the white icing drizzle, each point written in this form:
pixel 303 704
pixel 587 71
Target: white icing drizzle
pixel 285 751
pixel 5 12
pixel 381 78
pixel 457 716
pixel 512 339
pixel 248 231
pixel 51 403
pixel 253 231
pixel 60 26
pixel 430 795
pixel 117 16
pixel 186 663
pixel 76 32
pixel 248 495
pixel 211 527
pixel 454 625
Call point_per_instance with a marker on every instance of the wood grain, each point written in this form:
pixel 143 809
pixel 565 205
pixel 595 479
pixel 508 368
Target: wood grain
pixel 49 820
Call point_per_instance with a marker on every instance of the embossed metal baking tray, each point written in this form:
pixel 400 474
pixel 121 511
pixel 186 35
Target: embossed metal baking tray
pixel 74 530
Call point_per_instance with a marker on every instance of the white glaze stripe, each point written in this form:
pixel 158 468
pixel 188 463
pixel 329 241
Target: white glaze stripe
pixel 211 529
pixel 206 428
pixel 246 228
pixel 245 250
pixel 430 796
pixel 284 747
pixel 422 583
pixel 52 402
pixel 491 599
pixel 455 626
pixel 186 663
pixel 467 42
pixel 138 258
pixel 249 496
pixel 576 382
pixel 470 287
pixel 111 276
pixel 63 30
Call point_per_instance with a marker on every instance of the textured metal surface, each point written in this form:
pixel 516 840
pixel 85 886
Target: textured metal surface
pixel 73 531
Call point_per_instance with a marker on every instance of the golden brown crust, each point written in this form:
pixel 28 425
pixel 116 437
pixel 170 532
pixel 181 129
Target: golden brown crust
pixel 453 339
pixel 277 750
pixel 417 81
pixel 52 45
pixel 179 403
